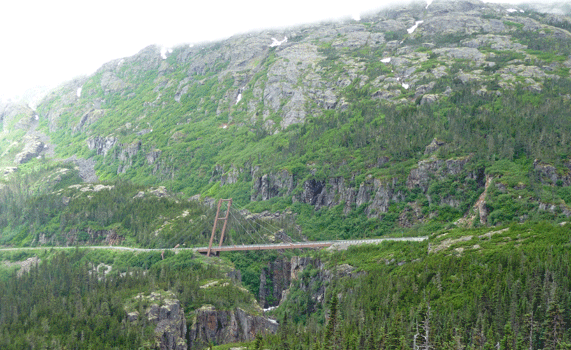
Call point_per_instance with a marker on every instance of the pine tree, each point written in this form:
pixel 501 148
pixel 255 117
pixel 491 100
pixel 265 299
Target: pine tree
pixel 423 336
pixel 531 327
pixel 329 340
pixel 508 341
pixel 553 326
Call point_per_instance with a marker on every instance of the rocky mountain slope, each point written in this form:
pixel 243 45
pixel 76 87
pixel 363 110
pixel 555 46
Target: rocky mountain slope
pixel 450 119
pixel 415 116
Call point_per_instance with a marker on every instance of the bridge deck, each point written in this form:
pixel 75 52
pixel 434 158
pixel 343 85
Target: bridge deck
pixel 302 245
pixel 203 250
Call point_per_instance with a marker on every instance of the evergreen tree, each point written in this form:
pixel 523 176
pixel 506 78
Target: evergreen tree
pixel 423 336
pixel 330 330
pixel 553 327
pixel 508 341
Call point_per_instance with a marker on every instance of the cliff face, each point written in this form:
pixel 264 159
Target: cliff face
pixel 379 194
pixel 274 279
pixel 226 326
pixel 163 310
pixel 307 274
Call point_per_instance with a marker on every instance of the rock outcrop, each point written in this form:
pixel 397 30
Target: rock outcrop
pixel 303 273
pixel 274 279
pixel 164 310
pixel 549 175
pixel 102 145
pixel 378 194
pixel 226 326
pixel 435 169
pixel 273 185
pixel 12 111
pixel 32 148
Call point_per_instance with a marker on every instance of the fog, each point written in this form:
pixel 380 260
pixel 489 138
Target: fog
pixel 47 42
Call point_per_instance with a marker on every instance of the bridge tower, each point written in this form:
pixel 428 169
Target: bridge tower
pixel 225 218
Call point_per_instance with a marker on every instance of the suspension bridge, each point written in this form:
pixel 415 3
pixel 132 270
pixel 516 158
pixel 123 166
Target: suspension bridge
pixel 252 240
pixel 221 216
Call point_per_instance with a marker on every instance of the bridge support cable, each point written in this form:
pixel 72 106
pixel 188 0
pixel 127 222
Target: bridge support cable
pixel 254 229
pixel 225 218
pixel 263 227
pixel 237 220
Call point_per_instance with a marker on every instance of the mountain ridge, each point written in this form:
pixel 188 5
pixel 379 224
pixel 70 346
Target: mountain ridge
pixel 370 120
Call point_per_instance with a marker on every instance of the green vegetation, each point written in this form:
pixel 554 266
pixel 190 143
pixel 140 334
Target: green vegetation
pixel 469 147
pixel 464 289
pixel 67 302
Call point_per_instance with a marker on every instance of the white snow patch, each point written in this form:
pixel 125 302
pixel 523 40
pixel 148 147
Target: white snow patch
pixel 386 60
pixel 511 10
pixel 164 51
pixel 120 62
pixel 36 117
pixel 78 92
pixel 276 42
pixel 273 321
pixel 270 308
pixel 238 98
pixel 356 17
pixel 413 28
pixel 522 11
pixel 428 2
pixel 190 45
pixel 406 86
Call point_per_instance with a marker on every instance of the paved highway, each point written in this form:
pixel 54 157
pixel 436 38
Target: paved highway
pixel 296 245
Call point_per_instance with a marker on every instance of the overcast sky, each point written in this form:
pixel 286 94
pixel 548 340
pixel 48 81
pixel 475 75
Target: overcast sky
pixel 45 42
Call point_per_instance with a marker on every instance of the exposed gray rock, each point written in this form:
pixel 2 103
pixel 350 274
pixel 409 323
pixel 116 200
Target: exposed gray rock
pixel 434 146
pixel 448 21
pixel 102 145
pixel 226 326
pixel 311 191
pixel 424 89
pixel 230 177
pixel 274 279
pixel 88 118
pixel 86 168
pixel 466 53
pixel 25 265
pixel 273 185
pixel 129 151
pixel 153 155
pixel 549 175
pixel 428 99
pixel 379 195
pixel 32 148
pixel 10 111
pixel 386 95
pixel 167 314
pixel 467 77
pixel 434 168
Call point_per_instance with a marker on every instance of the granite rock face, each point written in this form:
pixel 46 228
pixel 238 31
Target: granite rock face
pixel 166 313
pixel 548 174
pixel 32 148
pixel 378 194
pixel 226 326
pixel 274 279
pixel 302 273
